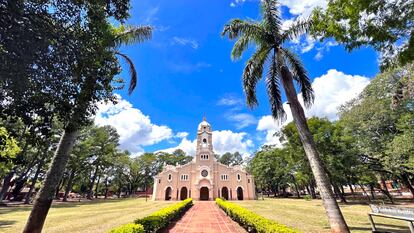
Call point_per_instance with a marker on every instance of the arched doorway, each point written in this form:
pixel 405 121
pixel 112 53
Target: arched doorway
pixel 239 193
pixel 225 193
pixel 183 193
pixel 204 194
pixel 168 194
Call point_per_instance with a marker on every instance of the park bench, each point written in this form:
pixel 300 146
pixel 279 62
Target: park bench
pixel 404 214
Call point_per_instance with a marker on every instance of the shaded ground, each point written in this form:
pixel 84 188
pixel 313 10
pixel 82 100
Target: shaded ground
pixel 309 216
pixel 88 217
pixel 205 216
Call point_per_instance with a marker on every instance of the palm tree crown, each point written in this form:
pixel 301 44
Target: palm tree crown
pixel 269 38
pixel 126 36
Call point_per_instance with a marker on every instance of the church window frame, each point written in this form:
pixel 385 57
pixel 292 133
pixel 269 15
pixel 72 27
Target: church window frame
pixel 184 177
pixel 204 156
pixel 169 176
pixel 238 177
pixel 224 177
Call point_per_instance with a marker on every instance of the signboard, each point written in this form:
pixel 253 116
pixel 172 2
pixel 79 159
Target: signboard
pixel 394 211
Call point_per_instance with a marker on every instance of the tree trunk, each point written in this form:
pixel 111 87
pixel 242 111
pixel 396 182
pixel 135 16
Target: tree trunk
pixel 336 219
pixel 32 185
pixel 90 190
pixel 97 186
pixel 385 191
pixel 6 184
pixel 69 185
pixel 407 183
pixel 339 193
pixel 365 192
pixel 45 195
pixel 106 187
pixel 372 191
pixel 296 186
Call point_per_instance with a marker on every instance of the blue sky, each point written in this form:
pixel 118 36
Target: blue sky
pixel 185 71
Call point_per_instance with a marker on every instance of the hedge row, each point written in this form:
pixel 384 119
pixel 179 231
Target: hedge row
pixel 163 217
pixel 129 228
pixel 157 220
pixel 252 222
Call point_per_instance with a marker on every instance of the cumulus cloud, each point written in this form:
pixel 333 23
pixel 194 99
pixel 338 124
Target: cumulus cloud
pixel 242 120
pixel 184 42
pixel 230 100
pixel 331 91
pixel 223 141
pixel 135 128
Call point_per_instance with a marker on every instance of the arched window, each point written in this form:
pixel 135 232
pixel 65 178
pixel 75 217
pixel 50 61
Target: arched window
pixel 169 176
pixel 238 177
pixel 204 157
pixel 204 140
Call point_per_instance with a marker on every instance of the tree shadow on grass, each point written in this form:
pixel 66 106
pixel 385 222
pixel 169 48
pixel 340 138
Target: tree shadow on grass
pixel 6 223
pixel 383 228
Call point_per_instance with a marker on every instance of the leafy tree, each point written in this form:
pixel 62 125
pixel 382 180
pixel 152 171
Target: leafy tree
pixel 378 129
pixel 285 67
pixel 89 69
pixel 387 26
pixel 8 151
pixel 231 158
pixel 177 157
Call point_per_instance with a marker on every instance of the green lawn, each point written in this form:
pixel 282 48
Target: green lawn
pixel 95 216
pixel 309 216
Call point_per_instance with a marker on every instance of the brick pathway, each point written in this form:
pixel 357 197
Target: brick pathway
pixel 205 216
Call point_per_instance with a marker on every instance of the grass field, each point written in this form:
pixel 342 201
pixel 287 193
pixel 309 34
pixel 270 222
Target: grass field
pixel 87 217
pixel 309 216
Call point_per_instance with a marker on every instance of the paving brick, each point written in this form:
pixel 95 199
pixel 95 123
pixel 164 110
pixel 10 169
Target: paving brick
pixel 205 216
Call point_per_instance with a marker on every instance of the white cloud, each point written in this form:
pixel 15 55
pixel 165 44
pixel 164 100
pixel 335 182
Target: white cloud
pixel 303 8
pixel 331 91
pixel 150 15
pixel 135 128
pixel 230 100
pixel 184 42
pixel 185 67
pixel 223 141
pixel 242 120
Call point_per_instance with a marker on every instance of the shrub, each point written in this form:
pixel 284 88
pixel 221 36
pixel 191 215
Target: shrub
pixel 307 197
pixel 129 228
pixel 252 222
pixel 162 218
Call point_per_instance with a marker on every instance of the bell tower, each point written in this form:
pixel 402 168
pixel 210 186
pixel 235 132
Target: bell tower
pixel 204 150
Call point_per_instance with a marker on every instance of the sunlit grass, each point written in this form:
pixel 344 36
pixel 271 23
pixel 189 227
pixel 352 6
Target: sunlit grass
pixel 95 216
pixel 309 216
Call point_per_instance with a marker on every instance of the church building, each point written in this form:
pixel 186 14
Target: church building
pixel 203 178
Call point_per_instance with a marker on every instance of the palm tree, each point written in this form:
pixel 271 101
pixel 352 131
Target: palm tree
pixel 283 67
pixel 43 201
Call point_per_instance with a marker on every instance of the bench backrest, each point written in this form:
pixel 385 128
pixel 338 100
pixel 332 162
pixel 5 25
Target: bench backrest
pixel 393 211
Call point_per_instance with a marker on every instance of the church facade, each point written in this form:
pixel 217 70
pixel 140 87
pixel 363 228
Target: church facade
pixel 203 178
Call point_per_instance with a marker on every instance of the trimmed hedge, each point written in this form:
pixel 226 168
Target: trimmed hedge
pixel 162 218
pixel 129 228
pixel 251 221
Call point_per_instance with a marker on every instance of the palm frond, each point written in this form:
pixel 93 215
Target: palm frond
pixel 133 34
pixel 298 27
pixel 273 90
pixel 132 71
pixel 300 75
pixel 237 27
pixel 271 16
pixel 252 73
pixel 239 47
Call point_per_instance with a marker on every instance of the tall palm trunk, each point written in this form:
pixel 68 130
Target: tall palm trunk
pixel 336 219
pixel 45 196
